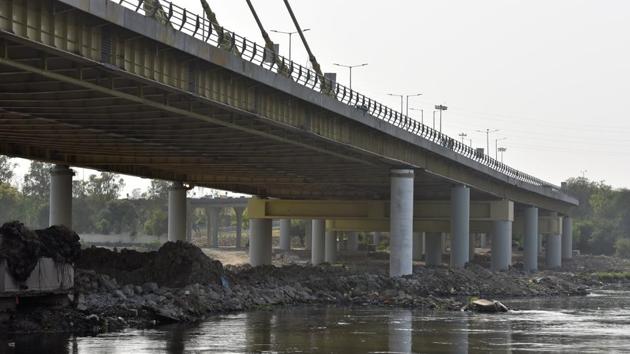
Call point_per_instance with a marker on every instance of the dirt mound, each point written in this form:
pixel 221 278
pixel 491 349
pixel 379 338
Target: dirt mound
pixel 60 244
pixel 21 248
pixel 174 265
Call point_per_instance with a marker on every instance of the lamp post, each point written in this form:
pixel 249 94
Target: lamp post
pixel 350 67
pixel 496 147
pixel 401 100
pixel 421 113
pixel 487 132
pixel 441 108
pixel 463 135
pixel 290 34
pixel 502 150
pixel 402 97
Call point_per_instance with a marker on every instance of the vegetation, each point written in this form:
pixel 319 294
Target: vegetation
pixel 602 221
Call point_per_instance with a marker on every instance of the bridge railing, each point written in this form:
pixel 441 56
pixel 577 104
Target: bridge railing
pixel 201 28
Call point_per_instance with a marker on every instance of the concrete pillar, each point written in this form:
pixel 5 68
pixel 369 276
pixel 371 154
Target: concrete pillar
pixel 285 235
pixel 567 237
pixel 60 211
pixel 501 254
pixel 353 241
pixel 471 247
pixel 444 242
pixel 418 246
pixel 177 212
pixel 260 242
pixel 308 237
pixel 376 239
pixel 540 243
pixel 460 226
pixel 212 215
pixel 553 251
pixel 433 251
pixel 189 220
pixel 530 240
pixel 483 241
pixel 401 223
pixel 319 242
pixel 239 226
pixel 331 247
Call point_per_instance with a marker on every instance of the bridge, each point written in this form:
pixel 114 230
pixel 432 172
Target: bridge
pixel 130 88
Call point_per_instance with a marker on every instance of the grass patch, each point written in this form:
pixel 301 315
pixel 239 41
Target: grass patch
pixel 612 276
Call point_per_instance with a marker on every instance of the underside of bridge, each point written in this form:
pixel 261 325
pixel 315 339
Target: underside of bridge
pixel 79 90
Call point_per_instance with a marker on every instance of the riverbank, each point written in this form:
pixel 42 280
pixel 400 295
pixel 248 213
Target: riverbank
pixel 179 283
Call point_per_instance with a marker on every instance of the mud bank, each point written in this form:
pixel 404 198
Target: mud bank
pixel 178 283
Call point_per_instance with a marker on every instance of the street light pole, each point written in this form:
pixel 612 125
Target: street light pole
pixel 487 132
pixel 496 147
pixel 421 113
pixel 502 150
pixel 416 95
pixel 402 97
pixel 290 34
pixel 441 108
pixel 350 67
pixel 463 135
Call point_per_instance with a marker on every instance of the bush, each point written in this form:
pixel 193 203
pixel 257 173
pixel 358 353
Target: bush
pixel 622 248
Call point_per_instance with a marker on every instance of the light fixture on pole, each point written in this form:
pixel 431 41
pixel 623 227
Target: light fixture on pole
pixel 502 150
pixel 496 147
pixel 463 135
pixel 401 100
pixel 487 132
pixel 421 113
pixel 441 108
pixel 290 34
pixel 350 67
pixel 416 95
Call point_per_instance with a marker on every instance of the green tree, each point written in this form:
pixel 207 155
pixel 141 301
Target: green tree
pixel 158 189
pixel 6 170
pixel 104 187
pixel 157 222
pixel 37 181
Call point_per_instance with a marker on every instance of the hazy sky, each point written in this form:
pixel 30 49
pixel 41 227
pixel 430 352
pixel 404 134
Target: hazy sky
pixel 552 76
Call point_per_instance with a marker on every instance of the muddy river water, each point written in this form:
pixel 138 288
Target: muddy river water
pixel 596 323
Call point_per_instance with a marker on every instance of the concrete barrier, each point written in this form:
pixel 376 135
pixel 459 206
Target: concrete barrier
pixel 47 276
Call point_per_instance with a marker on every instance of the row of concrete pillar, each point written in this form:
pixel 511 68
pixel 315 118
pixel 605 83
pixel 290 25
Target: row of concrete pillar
pixel 404 246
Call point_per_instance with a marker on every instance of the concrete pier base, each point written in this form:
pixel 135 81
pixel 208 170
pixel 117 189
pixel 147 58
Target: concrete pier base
pixel 331 247
pixel 501 257
pixel 353 242
pixel 177 212
pixel 308 234
pixel 60 211
pixel 376 239
pixel 567 237
pixel 460 226
pixel 401 223
pixel 553 252
pixel 418 246
pixel 433 251
pixel 285 235
pixel 319 242
pixel 239 227
pixel 530 240
pixel 471 247
pixel 260 242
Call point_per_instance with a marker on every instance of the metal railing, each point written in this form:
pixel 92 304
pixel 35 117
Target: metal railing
pixel 201 28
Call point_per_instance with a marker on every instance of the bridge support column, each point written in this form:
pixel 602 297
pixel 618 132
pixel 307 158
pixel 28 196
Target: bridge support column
pixel 433 252
pixel 501 257
pixel 483 241
pixel 353 241
pixel 376 239
pixel 177 212
pixel 239 226
pixel 189 221
pixel 60 212
pixel 530 240
pixel 460 226
pixel 567 237
pixel 308 234
pixel 401 223
pixel 553 251
pixel 418 246
pixel 260 242
pixel 331 247
pixel 471 247
pixel 319 242
pixel 212 215
pixel 285 235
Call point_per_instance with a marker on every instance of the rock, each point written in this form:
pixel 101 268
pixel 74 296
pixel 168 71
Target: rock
pixel 128 290
pixel 107 283
pixel 150 287
pixel 486 306
pixel 119 294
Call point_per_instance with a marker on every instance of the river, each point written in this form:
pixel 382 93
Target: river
pixel 599 322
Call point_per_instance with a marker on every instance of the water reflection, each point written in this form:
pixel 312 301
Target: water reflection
pixel 598 323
